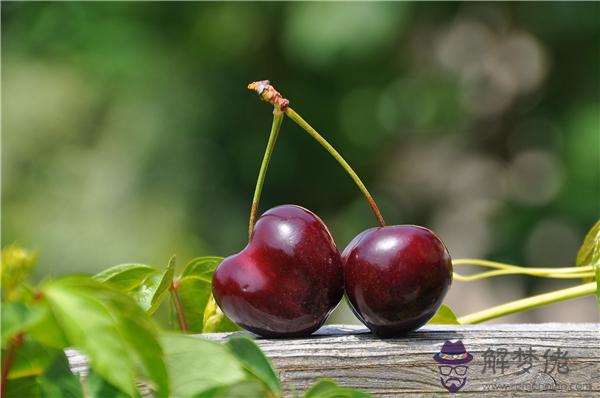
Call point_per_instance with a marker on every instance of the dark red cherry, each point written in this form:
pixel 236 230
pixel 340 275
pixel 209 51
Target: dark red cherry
pixel 287 280
pixel 396 277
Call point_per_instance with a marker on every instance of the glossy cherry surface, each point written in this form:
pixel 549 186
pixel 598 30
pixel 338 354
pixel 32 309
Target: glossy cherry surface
pixel 287 280
pixel 396 277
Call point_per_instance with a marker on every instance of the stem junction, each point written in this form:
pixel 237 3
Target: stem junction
pixel 268 94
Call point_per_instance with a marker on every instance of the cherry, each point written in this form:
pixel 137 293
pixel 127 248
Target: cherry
pixel 396 277
pixel 287 280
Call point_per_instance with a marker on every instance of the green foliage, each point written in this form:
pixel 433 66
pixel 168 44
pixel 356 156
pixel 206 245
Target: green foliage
pixel 196 365
pixel 23 387
pixel 54 380
pixel 105 318
pixel 117 336
pixel 32 358
pixel 152 290
pixel 18 317
pixel 328 389
pixel 194 294
pixel 125 276
pixel 444 315
pixel 149 286
pixel 254 362
pixel 243 389
pixel 59 381
pixel 202 267
pixel 47 330
pixel 98 387
pixel 589 254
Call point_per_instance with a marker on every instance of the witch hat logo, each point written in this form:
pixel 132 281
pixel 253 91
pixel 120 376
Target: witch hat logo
pixel 452 360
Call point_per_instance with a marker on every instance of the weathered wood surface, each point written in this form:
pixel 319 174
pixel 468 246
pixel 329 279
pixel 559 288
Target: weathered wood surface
pixel 405 366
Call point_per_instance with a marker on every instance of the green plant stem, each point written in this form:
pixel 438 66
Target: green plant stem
pixel 178 308
pixel 530 270
pixel 529 303
pixel 9 357
pixel 277 120
pixel 510 269
pixel 489 274
pixel 307 127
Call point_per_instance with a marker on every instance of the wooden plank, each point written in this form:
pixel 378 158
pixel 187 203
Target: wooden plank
pixel 405 366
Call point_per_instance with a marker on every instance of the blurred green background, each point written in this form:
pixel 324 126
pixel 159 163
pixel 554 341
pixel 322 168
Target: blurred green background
pixel 128 133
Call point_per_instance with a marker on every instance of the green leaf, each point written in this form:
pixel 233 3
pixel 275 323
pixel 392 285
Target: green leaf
pixel 444 316
pixel 145 284
pixel 19 317
pixel 194 294
pixel 213 316
pixel 151 292
pixel 196 365
pixel 244 389
pixel 47 331
pixel 34 319
pixel 98 387
pixel 254 362
pixel 589 252
pixel 214 319
pixel 125 277
pixel 162 285
pixel 199 307
pixel 226 325
pixel 117 336
pixel 23 387
pixel 328 389
pixel 59 381
pixel 31 358
pixel 202 267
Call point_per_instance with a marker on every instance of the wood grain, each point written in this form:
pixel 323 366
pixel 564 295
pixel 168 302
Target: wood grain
pixel 405 366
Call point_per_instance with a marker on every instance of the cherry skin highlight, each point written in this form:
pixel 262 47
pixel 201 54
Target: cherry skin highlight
pixel 396 277
pixel 287 280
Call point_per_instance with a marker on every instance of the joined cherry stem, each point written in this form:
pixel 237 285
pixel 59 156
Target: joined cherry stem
pixel 281 105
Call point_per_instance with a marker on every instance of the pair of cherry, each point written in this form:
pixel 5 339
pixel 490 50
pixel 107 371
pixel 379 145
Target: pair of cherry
pixel 291 276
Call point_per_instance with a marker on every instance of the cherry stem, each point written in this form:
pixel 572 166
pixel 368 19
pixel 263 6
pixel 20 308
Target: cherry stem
pixel 498 265
pixel 489 274
pixel 267 93
pixel 9 357
pixel 178 308
pixel 321 140
pixel 277 120
pixel 529 303
pixel 509 269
